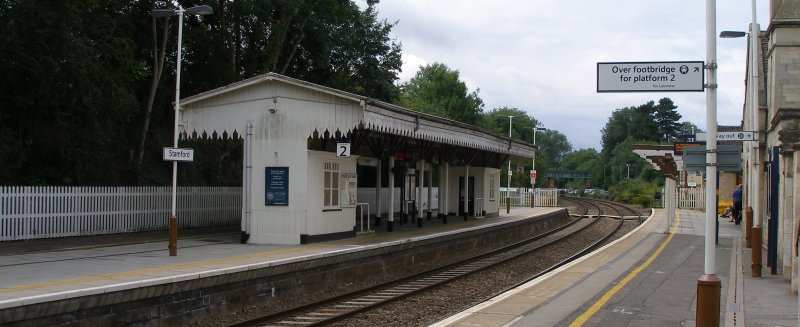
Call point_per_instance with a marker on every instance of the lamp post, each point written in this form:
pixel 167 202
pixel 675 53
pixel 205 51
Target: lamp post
pixel 629 170
pixel 508 181
pixel 197 10
pixel 533 160
pixel 709 285
pixel 754 187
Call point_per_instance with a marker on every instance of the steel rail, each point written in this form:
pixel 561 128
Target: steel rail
pixel 347 305
pixel 396 291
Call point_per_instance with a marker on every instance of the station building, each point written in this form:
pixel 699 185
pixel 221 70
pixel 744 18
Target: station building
pixel 303 144
pixel 770 188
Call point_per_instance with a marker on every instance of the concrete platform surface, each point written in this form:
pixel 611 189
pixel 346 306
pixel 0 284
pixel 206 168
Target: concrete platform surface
pixel 44 270
pixel 646 279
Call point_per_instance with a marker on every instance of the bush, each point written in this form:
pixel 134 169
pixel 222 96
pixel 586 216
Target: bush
pixel 634 191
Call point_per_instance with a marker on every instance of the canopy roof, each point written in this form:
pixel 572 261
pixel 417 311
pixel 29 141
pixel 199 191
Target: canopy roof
pixel 374 116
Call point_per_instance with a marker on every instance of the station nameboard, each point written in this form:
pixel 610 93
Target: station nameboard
pixel 657 76
pixel 178 154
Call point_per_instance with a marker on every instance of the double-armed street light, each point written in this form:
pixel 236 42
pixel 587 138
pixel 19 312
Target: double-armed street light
pixel 753 236
pixel 533 159
pixel 180 12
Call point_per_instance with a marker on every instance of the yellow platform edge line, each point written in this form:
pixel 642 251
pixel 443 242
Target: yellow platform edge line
pixel 583 318
pixel 138 272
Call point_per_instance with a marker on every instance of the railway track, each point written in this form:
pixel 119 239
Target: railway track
pixel 349 306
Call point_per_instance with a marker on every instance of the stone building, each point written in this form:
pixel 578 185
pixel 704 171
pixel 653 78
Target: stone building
pixel 770 189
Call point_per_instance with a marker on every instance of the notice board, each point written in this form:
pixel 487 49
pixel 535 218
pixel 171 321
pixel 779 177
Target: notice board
pixel 277 186
pixel 348 190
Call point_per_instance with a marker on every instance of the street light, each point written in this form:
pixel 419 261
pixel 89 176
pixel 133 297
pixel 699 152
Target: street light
pixel 629 170
pixel 533 159
pixel 731 34
pixel 508 184
pixel 180 12
pixel 709 285
pixel 755 185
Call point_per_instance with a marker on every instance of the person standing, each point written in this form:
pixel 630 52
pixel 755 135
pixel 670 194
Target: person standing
pixel 737 204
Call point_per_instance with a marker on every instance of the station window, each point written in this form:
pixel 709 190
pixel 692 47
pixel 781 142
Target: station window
pixel 331 190
pixel 492 182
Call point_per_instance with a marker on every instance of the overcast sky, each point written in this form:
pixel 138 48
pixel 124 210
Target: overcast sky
pixel 541 55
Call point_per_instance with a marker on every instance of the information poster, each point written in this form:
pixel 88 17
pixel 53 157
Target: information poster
pixel 277 186
pixel 348 190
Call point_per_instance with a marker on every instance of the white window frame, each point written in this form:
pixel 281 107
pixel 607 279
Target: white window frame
pixel 330 186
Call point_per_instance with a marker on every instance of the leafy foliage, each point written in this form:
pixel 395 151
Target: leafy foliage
pixel 551 145
pixel 635 191
pixel 70 81
pixel 78 77
pixel 624 172
pixel 438 90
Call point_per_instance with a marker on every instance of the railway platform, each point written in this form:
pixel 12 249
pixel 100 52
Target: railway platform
pixel 646 279
pixel 56 274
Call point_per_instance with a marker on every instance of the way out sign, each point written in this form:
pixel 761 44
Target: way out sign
pixel 730 136
pixel 178 154
pixel 657 76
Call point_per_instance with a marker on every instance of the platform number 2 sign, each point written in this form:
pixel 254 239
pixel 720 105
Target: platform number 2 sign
pixel 343 149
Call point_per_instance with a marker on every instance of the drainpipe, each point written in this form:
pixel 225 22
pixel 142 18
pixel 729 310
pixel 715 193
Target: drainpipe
pixel 466 193
pixel 446 192
pixel 248 182
pixel 390 223
pixel 378 194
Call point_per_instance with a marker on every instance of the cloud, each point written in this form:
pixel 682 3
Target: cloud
pixel 541 55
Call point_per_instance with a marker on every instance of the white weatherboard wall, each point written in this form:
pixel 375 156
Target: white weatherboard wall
pixel 283 117
pixel 327 221
pixel 491 205
pixel 284 114
pixel 480 190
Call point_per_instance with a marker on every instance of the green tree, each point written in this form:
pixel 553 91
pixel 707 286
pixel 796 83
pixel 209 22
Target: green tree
pixel 439 91
pixel 70 88
pixel 647 122
pixel 582 159
pixel 88 85
pixel 332 43
pixel 496 120
pixel 688 128
pixel 552 146
pixel 666 118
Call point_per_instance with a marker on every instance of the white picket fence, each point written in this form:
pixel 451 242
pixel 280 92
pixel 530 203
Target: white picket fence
pixel 543 197
pixel 691 197
pixel 32 212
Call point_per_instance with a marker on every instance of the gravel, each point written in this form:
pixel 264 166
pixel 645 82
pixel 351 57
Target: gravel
pixel 446 300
